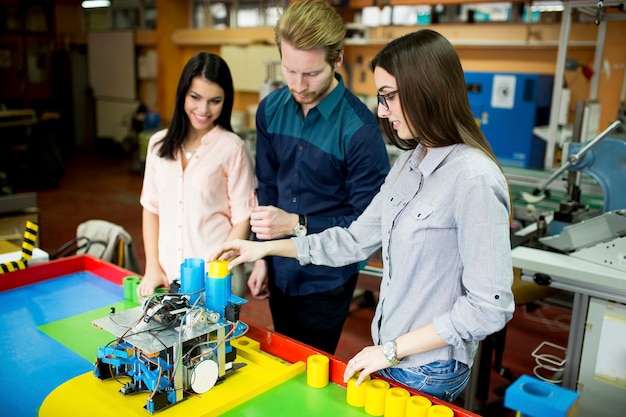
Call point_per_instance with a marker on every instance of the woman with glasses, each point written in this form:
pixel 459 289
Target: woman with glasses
pixel 441 218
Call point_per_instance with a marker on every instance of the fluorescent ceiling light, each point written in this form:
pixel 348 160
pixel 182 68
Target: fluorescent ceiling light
pixel 94 4
pixel 547 6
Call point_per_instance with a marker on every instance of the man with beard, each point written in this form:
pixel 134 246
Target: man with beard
pixel 320 158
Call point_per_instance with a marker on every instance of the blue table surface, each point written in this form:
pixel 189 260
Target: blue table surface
pixel 34 363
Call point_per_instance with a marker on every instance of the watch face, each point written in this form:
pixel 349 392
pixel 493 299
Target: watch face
pixel 389 350
pixel 300 230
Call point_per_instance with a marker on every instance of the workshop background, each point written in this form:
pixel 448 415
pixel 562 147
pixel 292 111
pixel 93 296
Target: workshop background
pixel 82 89
pixel 115 199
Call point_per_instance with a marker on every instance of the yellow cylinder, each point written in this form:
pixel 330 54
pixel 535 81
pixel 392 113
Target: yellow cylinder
pixel 375 391
pixel 417 406
pixel 356 395
pixel 395 402
pixel 317 371
pixel 440 411
pixel 218 268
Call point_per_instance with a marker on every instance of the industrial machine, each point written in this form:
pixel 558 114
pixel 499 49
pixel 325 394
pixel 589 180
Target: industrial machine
pixel 508 106
pixel 585 254
pixel 601 239
pixel 600 158
pixel 176 343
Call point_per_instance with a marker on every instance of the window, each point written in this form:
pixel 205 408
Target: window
pixel 121 14
pixel 236 13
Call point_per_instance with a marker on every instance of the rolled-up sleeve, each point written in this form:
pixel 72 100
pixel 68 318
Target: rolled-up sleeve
pixel 487 276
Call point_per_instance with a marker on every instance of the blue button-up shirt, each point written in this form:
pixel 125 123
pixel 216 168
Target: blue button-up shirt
pixel 327 166
pixel 442 220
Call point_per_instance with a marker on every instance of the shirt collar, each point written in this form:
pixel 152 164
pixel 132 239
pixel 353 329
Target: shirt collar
pixel 427 163
pixel 328 104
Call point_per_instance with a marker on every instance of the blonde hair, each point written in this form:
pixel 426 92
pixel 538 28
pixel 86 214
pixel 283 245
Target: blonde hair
pixel 312 24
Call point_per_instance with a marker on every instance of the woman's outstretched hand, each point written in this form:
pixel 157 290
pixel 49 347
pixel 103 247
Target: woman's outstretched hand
pixel 239 251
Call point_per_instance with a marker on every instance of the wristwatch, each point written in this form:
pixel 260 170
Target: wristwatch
pixel 300 229
pixel 389 350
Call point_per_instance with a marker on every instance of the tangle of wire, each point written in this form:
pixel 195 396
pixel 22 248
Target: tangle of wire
pixel 129 326
pixel 557 324
pixel 549 362
pixel 159 297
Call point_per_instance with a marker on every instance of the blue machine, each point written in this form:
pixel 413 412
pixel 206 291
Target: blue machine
pixel 508 107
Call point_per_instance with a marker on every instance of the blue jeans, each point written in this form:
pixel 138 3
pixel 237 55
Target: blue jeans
pixel 442 379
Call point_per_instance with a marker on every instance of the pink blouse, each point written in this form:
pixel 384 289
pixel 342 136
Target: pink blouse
pixel 197 207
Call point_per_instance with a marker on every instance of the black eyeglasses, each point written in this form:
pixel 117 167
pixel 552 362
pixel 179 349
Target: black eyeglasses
pixel 382 98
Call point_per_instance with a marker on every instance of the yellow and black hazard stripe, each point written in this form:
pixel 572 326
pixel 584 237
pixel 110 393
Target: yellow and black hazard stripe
pixel 28 245
pixel 30 238
pixel 13 265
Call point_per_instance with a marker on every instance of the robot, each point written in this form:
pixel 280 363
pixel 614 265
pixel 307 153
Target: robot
pixel 176 343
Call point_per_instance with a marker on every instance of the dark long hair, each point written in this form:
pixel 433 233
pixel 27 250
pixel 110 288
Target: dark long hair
pixel 213 68
pixel 432 92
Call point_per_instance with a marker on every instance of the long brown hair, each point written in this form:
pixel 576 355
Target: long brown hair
pixel 432 92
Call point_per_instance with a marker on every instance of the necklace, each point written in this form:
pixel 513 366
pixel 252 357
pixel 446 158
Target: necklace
pixel 188 154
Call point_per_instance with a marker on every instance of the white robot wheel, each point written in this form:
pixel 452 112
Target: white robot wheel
pixel 203 376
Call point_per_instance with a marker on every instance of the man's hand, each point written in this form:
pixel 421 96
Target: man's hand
pixel 257 281
pixel 269 222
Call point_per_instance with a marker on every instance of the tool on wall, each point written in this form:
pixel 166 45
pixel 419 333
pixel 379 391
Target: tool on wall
pixel 272 81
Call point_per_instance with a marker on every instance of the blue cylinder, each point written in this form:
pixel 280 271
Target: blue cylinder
pixel 192 278
pixel 218 286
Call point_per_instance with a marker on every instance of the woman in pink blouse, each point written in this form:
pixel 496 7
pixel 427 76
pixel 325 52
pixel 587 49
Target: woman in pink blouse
pixel 199 182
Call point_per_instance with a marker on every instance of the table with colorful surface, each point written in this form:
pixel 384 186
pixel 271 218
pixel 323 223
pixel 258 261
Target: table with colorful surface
pixel 48 346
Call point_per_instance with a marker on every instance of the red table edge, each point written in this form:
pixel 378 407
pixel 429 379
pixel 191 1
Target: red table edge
pixel 63 266
pixel 271 342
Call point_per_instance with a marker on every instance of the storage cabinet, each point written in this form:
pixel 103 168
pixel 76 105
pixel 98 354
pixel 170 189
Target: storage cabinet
pixel 26 54
pixel 508 106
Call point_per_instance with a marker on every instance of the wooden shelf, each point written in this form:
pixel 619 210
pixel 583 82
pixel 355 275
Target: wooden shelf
pixel 145 38
pixel 358 4
pixel 509 35
pixel 482 43
pixel 232 36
